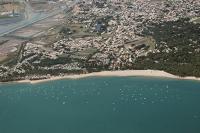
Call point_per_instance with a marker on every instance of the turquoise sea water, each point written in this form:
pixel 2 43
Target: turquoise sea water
pixel 101 105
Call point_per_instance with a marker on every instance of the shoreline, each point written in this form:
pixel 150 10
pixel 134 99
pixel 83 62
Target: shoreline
pixel 122 73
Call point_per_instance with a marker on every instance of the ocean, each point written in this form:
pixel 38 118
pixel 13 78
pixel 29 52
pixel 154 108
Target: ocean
pixel 101 105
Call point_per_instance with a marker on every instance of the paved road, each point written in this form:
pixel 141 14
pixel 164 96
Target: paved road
pixel 31 18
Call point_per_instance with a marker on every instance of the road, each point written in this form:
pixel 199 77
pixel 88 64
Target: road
pixel 31 18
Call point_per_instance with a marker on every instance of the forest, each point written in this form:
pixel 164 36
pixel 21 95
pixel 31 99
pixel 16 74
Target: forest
pixel 178 48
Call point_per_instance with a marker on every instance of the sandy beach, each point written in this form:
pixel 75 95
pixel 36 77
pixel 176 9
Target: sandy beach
pixel 125 73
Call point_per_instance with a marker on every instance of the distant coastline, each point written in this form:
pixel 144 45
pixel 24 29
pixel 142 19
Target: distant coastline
pixel 122 73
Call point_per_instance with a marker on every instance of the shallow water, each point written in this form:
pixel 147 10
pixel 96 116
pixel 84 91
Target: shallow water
pixel 101 105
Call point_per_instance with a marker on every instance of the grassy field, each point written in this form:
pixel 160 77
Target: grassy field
pixel 79 31
pixel 2 58
pixel 4 16
pixel 60 31
pixel 197 20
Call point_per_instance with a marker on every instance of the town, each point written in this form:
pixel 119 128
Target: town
pixel 76 37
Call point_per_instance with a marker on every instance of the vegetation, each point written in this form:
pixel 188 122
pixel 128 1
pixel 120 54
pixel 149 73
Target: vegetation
pixel 178 43
pixel 4 16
